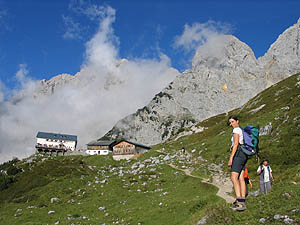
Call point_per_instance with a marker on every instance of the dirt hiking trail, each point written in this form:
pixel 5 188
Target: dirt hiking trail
pixel 224 185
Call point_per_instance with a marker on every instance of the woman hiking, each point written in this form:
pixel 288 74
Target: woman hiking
pixel 237 162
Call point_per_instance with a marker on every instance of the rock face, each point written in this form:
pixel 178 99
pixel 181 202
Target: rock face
pixel 223 77
pixel 283 57
pixel 48 87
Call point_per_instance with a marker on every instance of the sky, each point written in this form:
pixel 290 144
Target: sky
pixel 91 38
pixel 50 36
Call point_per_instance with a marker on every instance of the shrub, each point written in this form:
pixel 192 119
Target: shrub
pixel 5 181
pixel 12 171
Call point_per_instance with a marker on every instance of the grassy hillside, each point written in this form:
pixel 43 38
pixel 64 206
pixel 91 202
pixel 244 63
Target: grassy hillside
pixel 99 190
pixel 279 106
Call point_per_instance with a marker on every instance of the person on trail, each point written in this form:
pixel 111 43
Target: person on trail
pixel 237 162
pixel 265 176
pixel 183 150
pixel 247 181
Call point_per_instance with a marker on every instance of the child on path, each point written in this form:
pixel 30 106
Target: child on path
pixel 265 176
pixel 247 181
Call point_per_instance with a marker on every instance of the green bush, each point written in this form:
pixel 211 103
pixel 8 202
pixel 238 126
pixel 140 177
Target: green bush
pixel 12 171
pixel 5 181
pixel 6 165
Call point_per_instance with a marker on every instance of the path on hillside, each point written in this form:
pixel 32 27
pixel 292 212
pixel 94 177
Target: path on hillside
pixel 224 185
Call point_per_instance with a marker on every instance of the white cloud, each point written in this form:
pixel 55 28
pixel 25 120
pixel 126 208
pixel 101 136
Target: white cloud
pixel 2 93
pixel 92 11
pixel 199 33
pixel 22 73
pixel 106 89
pixel 4 18
pixel 101 50
pixel 73 29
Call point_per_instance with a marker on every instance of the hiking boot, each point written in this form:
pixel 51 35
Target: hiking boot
pixel 239 206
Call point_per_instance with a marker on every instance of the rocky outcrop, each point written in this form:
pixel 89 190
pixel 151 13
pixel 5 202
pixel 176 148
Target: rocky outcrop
pixel 225 74
pixel 283 57
pixel 49 87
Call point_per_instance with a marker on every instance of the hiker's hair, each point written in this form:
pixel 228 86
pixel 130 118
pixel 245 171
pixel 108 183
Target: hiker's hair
pixel 232 117
pixel 264 160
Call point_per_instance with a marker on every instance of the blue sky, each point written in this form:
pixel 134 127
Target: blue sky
pixel 50 36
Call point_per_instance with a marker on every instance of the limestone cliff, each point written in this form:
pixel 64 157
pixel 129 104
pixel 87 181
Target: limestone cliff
pixel 223 77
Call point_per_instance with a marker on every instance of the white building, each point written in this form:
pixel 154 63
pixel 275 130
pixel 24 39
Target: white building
pixel 100 147
pixel 51 142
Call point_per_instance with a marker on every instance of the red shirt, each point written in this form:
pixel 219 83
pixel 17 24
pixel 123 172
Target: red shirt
pixel 246 175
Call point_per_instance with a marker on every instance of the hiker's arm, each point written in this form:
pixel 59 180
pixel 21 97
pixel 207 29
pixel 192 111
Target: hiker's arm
pixel 250 183
pixel 234 148
pixel 271 176
pixel 260 170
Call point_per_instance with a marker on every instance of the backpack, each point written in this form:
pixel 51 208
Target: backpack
pixel 251 135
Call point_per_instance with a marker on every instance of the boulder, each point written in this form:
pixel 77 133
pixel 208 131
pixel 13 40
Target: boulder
pixel 262 220
pixel 54 200
pixel 203 220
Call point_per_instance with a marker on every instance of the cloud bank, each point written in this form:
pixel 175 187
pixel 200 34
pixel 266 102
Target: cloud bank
pixel 198 34
pixel 202 40
pixel 85 10
pixel 106 89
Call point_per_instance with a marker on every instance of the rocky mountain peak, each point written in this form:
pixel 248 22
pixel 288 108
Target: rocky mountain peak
pixel 225 74
pixel 221 52
pixel 283 57
pixel 48 87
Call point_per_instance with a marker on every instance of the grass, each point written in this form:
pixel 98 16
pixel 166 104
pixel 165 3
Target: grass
pixel 281 147
pixel 160 194
pixel 263 206
pixel 171 198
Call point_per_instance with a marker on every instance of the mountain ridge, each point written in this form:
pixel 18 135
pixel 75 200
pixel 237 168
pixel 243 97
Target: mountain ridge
pixel 220 73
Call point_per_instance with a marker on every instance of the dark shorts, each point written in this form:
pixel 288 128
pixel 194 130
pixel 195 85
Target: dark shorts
pixel 239 161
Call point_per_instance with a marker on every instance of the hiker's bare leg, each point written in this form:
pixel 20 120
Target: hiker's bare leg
pixel 236 183
pixel 242 184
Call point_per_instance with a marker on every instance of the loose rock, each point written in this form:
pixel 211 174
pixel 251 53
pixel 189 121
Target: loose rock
pixel 53 200
pixel 277 217
pixel 262 220
pixel 203 220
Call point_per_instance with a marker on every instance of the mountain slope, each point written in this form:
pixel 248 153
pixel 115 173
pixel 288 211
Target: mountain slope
pixel 225 75
pixel 276 111
pixel 96 189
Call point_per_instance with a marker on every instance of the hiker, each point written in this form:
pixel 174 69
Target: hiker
pixel 265 176
pixel 183 150
pixel 247 181
pixel 237 162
